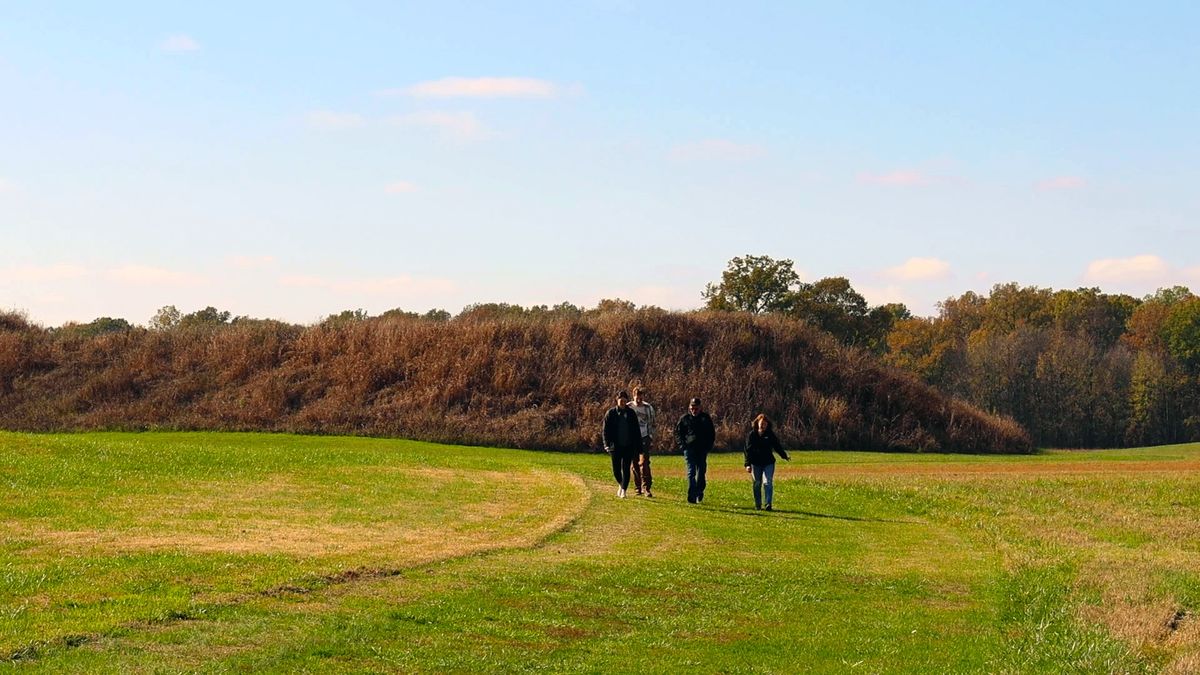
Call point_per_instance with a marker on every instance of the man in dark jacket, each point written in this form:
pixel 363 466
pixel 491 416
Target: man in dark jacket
pixel 622 440
pixel 695 435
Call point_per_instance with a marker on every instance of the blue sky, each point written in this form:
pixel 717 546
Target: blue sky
pixel 294 160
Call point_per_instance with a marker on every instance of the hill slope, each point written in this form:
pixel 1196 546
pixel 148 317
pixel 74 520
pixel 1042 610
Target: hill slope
pixel 518 383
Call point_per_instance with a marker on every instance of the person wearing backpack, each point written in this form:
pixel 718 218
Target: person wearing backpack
pixel 761 446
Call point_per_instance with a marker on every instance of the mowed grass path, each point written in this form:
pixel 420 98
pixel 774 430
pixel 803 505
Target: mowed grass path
pixel 249 552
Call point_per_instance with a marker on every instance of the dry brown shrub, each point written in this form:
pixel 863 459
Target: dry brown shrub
pixel 532 382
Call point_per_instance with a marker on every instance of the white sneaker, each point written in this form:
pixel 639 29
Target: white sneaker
pixel 621 493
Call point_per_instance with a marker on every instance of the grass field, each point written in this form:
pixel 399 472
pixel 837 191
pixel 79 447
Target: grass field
pixel 249 552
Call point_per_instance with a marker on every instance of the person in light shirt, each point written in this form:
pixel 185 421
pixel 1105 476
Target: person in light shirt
pixel 642 479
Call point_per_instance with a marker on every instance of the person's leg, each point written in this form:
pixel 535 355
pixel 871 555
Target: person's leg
pixel 616 462
pixel 646 475
pixel 758 479
pixel 690 463
pixel 701 470
pixel 769 481
pixel 637 473
pixel 626 461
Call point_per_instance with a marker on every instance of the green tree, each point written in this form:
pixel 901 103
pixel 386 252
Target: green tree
pixel 165 318
pixel 209 316
pixel 351 316
pixel 833 305
pixel 755 284
pixel 1181 331
pixel 99 326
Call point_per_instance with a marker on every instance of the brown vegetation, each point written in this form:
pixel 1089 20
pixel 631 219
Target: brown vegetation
pixel 531 383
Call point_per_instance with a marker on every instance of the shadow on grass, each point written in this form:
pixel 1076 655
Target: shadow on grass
pixel 797 514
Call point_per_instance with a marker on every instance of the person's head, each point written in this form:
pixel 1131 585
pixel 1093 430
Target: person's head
pixel 762 424
pixel 694 406
pixel 622 398
pixel 638 392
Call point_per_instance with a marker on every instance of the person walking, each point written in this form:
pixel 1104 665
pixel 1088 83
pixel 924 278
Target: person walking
pixel 761 446
pixel 622 440
pixel 642 479
pixel 695 435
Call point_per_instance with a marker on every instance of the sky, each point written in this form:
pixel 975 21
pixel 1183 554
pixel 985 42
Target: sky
pixel 293 160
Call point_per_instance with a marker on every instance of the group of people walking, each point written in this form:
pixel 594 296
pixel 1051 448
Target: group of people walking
pixel 628 434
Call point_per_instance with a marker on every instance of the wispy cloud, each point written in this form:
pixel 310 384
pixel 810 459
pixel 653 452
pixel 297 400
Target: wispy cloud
pixel 179 43
pixel 145 275
pixel 458 126
pixel 399 187
pixel 1061 183
pixel 403 285
pixel 479 87
pixel 919 269
pixel 717 149
pixel 1143 268
pixel 898 178
pixel 328 119
pixel 33 274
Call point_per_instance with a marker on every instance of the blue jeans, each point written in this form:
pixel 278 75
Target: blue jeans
pixel 764 477
pixel 697 466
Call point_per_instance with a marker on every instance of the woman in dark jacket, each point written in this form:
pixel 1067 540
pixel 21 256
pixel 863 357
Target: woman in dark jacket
pixel 761 446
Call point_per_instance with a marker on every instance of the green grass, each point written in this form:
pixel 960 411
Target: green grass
pixel 231 552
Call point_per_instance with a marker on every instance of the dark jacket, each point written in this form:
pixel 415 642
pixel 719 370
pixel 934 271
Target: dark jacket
pixel 622 422
pixel 761 448
pixel 695 433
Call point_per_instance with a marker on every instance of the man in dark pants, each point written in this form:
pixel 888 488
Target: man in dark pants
pixel 695 435
pixel 622 440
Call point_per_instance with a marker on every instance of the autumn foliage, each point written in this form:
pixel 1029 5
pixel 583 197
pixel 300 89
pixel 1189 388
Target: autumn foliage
pixel 478 379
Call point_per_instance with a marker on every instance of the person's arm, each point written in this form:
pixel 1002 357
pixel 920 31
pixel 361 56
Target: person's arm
pixel 651 418
pixel 779 448
pixel 746 450
pixel 607 434
pixel 680 432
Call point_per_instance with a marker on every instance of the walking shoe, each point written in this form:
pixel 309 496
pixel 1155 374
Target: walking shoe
pixel 649 494
pixel 621 493
pixel 768 508
pixel 639 493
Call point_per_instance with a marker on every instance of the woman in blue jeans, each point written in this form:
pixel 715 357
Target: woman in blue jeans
pixel 761 446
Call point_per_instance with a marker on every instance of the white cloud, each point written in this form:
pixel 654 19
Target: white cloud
pixel 480 87
pixel 1061 183
pixel 919 269
pixel 403 285
pixel 882 295
pixel 399 187
pixel 178 44
pixel 34 274
pixel 717 149
pixel 145 275
pixel 251 262
pixel 1139 268
pixel 328 119
pixel 458 126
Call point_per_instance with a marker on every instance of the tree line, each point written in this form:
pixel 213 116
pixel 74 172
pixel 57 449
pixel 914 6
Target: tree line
pixel 1076 368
